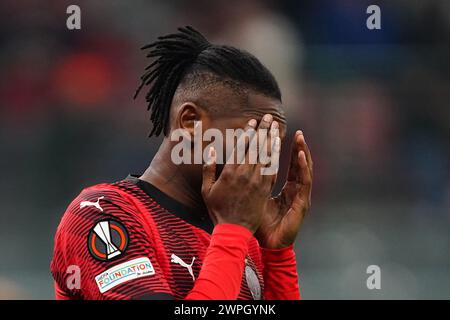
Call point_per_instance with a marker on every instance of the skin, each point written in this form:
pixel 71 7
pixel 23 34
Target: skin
pixel 217 191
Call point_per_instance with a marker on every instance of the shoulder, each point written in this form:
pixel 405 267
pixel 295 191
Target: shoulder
pixel 101 223
pixel 101 199
pixel 96 204
pixel 92 202
pixel 102 231
pixel 104 200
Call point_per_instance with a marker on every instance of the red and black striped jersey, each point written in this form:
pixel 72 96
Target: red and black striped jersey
pixel 129 240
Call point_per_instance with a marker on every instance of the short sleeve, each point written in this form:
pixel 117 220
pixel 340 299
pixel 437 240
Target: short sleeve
pixel 104 250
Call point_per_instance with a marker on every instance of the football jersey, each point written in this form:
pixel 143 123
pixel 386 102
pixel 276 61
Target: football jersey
pixel 129 240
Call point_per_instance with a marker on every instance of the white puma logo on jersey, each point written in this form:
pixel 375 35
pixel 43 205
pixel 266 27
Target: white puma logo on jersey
pixel 176 259
pixel 92 204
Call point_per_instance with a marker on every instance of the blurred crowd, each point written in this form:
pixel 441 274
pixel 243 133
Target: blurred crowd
pixel 374 105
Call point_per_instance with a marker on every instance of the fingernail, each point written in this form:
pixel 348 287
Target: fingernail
pixel 275 125
pixel 267 118
pixel 252 123
pixel 299 132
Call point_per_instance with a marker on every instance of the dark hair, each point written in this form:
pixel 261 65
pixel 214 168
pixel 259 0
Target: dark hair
pixel 186 52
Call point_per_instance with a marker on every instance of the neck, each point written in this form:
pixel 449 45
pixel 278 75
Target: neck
pixel 177 181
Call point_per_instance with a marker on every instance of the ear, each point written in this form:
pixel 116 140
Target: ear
pixel 188 114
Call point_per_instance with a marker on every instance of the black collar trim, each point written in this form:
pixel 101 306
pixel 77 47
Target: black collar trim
pixel 173 206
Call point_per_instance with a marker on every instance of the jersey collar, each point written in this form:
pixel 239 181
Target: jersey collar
pixel 173 206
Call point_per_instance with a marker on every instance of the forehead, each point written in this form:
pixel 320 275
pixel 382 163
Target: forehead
pixel 258 105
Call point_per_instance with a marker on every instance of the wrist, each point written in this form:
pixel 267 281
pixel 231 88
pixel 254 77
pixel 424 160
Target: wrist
pixel 277 250
pixel 276 246
pixel 280 256
pixel 241 224
pixel 232 229
pixel 271 244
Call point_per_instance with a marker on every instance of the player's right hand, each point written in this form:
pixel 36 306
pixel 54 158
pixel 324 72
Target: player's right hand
pixel 239 194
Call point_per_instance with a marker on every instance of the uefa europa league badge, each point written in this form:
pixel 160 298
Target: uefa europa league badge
pixel 107 240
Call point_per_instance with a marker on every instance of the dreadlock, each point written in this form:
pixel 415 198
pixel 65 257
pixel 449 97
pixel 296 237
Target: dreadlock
pixel 188 52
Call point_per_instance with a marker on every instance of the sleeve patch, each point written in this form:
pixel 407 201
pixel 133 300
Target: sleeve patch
pixel 107 240
pixel 126 271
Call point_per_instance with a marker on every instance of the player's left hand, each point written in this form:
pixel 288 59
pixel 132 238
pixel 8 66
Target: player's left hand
pixel 284 213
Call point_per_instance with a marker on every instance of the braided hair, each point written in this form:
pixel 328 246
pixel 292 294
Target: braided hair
pixel 186 53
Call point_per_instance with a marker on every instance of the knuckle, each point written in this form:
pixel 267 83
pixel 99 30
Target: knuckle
pixel 256 185
pixel 242 179
pixel 225 176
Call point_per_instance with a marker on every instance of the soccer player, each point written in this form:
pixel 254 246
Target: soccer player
pixel 192 231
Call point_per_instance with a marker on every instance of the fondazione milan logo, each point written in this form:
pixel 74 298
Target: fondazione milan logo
pixel 108 239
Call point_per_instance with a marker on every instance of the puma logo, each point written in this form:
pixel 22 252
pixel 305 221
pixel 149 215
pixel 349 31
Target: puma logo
pixel 176 259
pixel 92 204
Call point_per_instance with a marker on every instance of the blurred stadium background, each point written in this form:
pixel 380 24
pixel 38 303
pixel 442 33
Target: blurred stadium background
pixel 375 107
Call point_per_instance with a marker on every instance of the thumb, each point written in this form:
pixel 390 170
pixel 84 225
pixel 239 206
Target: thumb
pixel 209 172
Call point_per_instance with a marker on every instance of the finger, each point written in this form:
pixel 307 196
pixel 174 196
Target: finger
pixel 304 146
pixel 209 172
pixel 251 156
pixel 266 144
pixel 244 141
pixel 269 173
pixel 306 178
pixel 264 129
pixel 273 133
pixel 302 199
pixel 293 165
